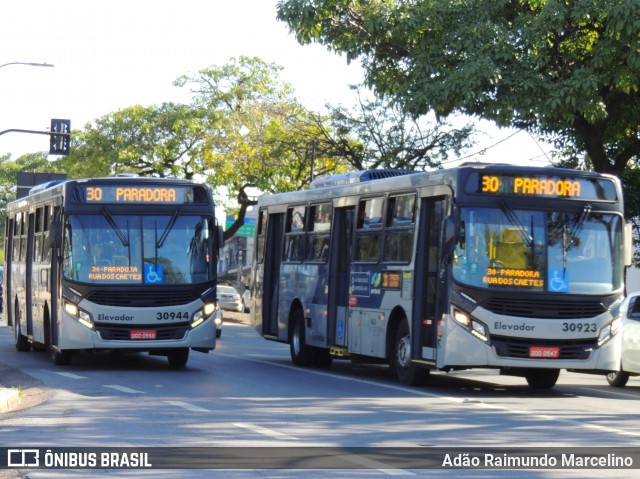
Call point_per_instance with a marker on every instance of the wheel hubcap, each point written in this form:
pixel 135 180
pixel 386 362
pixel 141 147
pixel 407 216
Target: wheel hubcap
pixel 404 352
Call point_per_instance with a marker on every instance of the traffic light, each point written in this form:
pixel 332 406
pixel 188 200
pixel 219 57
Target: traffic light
pixel 60 137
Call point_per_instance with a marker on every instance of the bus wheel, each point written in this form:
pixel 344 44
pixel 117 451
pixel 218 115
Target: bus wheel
pixel 301 353
pixel 542 378
pixel 400 360
pixel 22 342
pixel 618 379
pixel 59 358
pixel 178 358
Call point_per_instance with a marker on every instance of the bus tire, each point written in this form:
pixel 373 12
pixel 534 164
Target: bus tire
pixel 21 341
pixel 618 379
pixel 400 361
pixel 301 353
pixel 542 378
pixel 178 358
pixel 59 358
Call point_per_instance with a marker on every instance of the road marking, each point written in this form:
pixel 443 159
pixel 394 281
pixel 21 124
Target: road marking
pixel 461 401
pixel 69 375
pixel 264 431
pixel 187 406
pixel 123 389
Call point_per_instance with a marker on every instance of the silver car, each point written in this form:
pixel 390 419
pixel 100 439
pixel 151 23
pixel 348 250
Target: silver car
pixel 228 298
pixel 630 332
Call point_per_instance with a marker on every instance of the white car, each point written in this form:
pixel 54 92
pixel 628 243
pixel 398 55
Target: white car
pixel 228 298
pixel 630 337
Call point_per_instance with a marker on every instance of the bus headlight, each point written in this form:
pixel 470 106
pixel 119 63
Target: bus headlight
pixel 609 331
pixel 82 316
pixel 201 315
pixel 475 327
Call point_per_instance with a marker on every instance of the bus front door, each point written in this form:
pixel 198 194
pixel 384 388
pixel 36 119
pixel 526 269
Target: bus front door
pixel 426 290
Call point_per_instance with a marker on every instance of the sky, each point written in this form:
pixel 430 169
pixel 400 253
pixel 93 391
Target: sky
pixel 111 55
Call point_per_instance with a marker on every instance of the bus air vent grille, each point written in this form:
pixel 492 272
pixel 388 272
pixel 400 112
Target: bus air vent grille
pixel 525 308
pixel 143 298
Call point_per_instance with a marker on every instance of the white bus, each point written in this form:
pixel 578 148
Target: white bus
pixel 482 266
pixel 122 263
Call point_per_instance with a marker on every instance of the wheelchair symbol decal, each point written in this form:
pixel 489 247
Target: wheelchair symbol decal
pixel 558 281
pixel 153 274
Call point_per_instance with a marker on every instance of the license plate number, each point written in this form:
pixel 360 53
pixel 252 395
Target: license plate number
pixel 544 353
pixel 142 334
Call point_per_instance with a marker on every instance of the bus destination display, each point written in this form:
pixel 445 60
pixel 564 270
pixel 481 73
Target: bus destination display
pixel 543 186
pixel 111 194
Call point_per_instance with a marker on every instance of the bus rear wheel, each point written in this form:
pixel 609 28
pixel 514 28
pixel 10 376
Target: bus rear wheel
pixel 542 378
pixel 178 358
pixel 618 379
pixel 400 360
pixel 21 341
pixel 301 353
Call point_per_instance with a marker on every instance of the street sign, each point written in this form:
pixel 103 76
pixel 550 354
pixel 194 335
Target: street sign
pixel 248 229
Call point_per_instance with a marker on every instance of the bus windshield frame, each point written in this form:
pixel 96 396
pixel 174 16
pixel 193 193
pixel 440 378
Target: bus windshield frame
pixel 546 251
pixel 133 249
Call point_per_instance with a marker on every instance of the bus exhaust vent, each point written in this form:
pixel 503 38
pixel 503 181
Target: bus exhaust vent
pixel 358 177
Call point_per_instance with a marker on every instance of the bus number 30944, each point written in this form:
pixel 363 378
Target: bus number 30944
pixel 172 315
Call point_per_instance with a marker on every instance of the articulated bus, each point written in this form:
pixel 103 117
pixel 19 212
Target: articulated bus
pixel 122 263
pixel 482 266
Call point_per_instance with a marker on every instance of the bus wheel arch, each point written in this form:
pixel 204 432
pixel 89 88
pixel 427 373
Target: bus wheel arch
pixel 399 352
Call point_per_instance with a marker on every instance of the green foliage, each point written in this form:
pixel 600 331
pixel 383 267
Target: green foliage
pixel 549 66
pixel 262 134
pixel 169 140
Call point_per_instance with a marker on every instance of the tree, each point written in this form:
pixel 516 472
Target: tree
pixel 169 140
pixel 567 69
pixel 378 134
pixel 262 135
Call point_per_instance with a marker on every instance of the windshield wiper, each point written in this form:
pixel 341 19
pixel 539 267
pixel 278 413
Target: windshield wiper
pixel 123 239
pixel 166 231
pixel 577 226
pixel 514 220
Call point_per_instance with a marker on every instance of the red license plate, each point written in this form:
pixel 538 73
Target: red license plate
pixel 142 334
pixel 544 353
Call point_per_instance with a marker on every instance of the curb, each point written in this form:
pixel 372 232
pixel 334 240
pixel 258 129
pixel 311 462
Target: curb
pixel 9 399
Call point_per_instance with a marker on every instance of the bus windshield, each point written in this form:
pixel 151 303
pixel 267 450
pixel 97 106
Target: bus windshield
pixel 559 251
pixel 131 249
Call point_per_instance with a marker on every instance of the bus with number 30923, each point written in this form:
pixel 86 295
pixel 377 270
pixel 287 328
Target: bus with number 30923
pixel 482 266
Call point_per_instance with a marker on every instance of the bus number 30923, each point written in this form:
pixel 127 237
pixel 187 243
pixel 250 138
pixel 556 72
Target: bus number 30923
pixel 580 327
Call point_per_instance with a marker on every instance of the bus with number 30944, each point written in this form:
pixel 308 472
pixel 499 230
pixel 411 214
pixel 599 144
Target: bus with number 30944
pixel 122 263
pixel 482 266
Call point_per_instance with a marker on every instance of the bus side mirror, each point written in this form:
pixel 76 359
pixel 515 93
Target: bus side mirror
pixel 220 236
pixel 450 234
pixel 54 238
